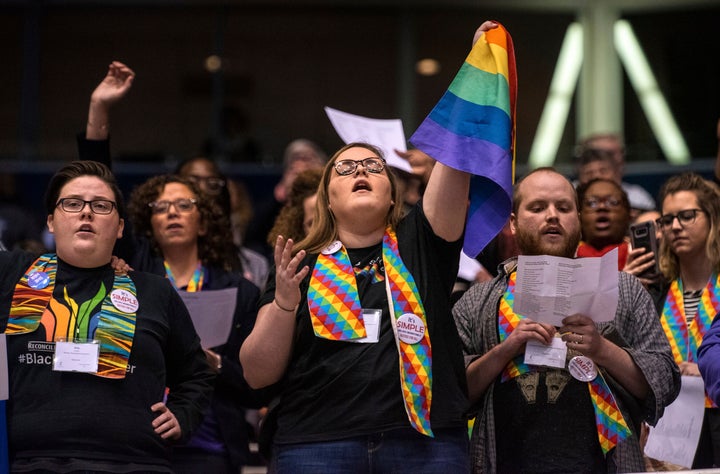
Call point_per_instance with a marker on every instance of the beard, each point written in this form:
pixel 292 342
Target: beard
pixel 530 243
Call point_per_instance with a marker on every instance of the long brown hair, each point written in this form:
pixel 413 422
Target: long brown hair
pixel 324 229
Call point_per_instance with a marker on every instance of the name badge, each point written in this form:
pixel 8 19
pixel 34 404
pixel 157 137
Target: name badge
pixel 553 355
pixel 76 356
pixel 371 319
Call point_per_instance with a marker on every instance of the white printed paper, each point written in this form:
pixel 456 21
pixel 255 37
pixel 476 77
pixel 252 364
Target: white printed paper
pixel 212 314
pixel 386 134
pixel 553 355
pixel 548 289
pixel 676 436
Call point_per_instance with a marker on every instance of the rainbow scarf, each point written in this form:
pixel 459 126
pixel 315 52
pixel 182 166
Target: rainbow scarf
pixel 611 425
pixel 336 314
pixel 685 340
pixel 115 329
pixel 472 129
pixel 196 280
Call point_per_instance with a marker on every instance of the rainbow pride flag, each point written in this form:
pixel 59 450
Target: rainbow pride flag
pixel 472 129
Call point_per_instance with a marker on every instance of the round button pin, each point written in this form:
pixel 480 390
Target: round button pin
pixel 124 301
pixel 410 328
pixel 582 368
pixel 332 248
pixel 38 280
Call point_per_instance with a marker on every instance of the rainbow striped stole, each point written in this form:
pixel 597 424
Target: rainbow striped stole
pixel 28 304
pixel 611 425
pixel 196 280
pixel 115 330
pixel 472 129
pixel 685 340
pixel 336 314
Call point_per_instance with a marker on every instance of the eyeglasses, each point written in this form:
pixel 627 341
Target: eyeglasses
pixel 371 165
pixel 210 184
pixel 182 205
pixel 97 206
pixel 685 218
pixel 595 202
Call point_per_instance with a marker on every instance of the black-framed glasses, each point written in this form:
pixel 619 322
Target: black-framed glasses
pixel 595 202
pixel 97 206
pixel 181 205
pixel 211 184
pixel 371 165
pixel 685 218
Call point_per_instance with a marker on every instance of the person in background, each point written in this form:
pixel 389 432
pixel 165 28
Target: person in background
pixel 612 145
pixel 184 235
pixel 604 219
pixel 206 174
pixel 688 299
pixel 95 145
pixel 300 154
pixel 298 214
pixel 255 266
pixel 543 419
pixel 105 411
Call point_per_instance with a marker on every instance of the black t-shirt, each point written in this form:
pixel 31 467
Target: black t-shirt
pixel 337 389
pixel 77 415
pixel 545 423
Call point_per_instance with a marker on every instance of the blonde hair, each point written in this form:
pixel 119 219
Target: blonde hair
pixel 324 229
pixel 708 198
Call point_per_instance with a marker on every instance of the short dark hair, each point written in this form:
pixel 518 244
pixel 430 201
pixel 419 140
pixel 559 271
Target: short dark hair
pixel 77 169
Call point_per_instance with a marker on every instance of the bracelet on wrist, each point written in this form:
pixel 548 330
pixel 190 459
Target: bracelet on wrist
pixel 285 309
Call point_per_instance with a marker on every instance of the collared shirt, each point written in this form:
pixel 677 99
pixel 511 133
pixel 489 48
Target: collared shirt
pixel 636 328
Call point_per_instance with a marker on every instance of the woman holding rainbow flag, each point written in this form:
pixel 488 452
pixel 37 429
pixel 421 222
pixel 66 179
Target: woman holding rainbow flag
pixel 356 322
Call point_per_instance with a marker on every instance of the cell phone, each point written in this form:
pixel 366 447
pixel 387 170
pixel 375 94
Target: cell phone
pixel 642 234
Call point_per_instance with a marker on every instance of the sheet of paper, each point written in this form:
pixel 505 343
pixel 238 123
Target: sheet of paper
pixel 212 314
pixel 386 134
pixel 4 381
pixel 676 436
pixel 548 288
pixel 537 353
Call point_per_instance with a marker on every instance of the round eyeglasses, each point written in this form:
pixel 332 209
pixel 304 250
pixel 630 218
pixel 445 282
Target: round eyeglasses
pixel 371 165
pixel 595 202
pixel 685 218
pixel 210 184
pixel 97 206
pixel 181 205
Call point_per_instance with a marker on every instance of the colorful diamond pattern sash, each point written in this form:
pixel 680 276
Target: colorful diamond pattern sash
pixel 415 359
pixel 115 330
pixel 508 320
pixel 685 340
pixel 333 299
pixel 611 425
pixel 336 314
